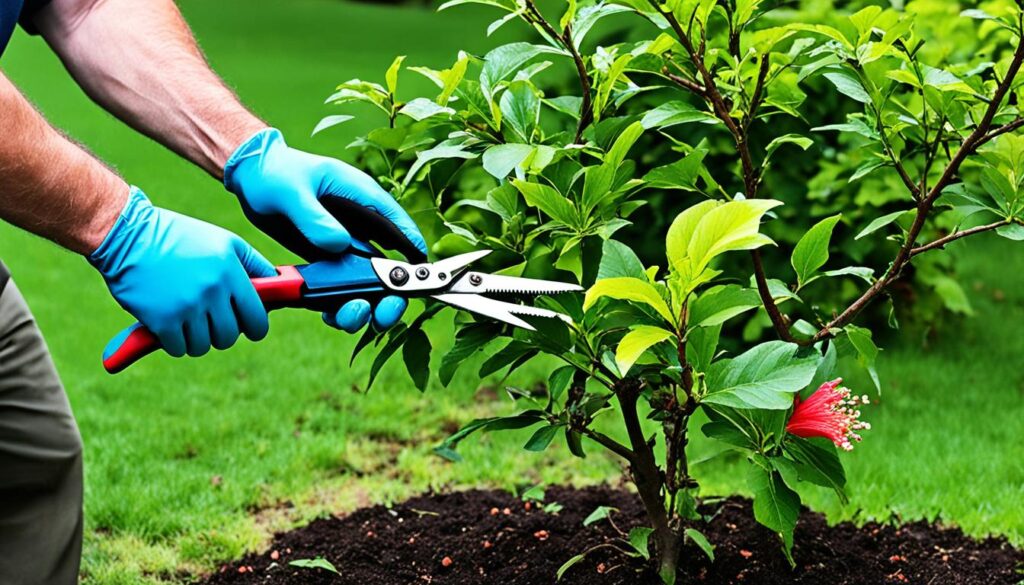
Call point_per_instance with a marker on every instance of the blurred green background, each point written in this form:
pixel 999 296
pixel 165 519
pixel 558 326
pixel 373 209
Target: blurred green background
pixel 190 463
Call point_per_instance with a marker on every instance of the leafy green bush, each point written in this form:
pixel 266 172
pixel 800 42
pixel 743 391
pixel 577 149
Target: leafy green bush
pixel 507 157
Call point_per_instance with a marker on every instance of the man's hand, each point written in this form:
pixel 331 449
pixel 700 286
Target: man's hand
pixel 187 108
pixel 186 280
pixel 290 195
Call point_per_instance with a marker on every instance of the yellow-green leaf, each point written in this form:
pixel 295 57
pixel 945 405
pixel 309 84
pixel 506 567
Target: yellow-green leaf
pixel 628 289
pixel 728 227
pixel 636 342
pixel 681 231
pixel 391 77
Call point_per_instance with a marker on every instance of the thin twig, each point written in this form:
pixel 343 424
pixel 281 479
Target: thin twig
pixel 686 84
pixel 565 38
pixel 942 242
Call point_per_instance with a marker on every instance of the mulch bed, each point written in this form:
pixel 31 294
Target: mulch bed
pixel 477 536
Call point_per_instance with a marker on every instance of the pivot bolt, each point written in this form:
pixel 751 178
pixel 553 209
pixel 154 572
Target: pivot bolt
pixel 398 276
pixel 475 279
pixel 422 273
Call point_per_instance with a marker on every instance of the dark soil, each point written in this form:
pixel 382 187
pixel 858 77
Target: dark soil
pixel 477 537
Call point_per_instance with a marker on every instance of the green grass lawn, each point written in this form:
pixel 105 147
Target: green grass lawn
pixel 190 462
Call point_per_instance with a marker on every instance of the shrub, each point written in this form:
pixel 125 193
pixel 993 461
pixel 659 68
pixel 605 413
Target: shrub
pixel 509 158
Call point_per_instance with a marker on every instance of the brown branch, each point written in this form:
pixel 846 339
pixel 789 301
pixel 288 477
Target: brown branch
pixel 751 175
pixel 755 100
pixel 1005 128
pixel 609 443
pixel 565 38
pixel 778 320
pixel 686 84
pixel 942 242
pixel 901 170
pixel 970 144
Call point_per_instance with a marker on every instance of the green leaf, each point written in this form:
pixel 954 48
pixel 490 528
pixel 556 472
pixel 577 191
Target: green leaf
pixel 391 77
pixel 395 337
pixel 775 505
pixel 819 461
pixel 701 541
pixel 416 354
pixel 541 438
pixel 880 222
pixel 638 539
pixel 867 351
pixel 423 108
pixel 511 353
pixel 766 376
pixel 450 78
pixel 721 303
pixel 330 121
pixel 520 421
pixel 1013 231
pixel 607 83
pixel 711 228
pixel 619 260
pixel 977 14
pixel 500 160
pixel 681 174
pixel 468 341
pixel 617 153
pixel 546 199
pixel 568 565
pixel 599 513
pixel 636 342
pixel 628 289
pixel 802 141
pixel 849 85
pixel 502 62
pixel 701 344
pixel 317 563
pixel 504 4
pixel 675 113
pixel 588 17
pixel 828 31
pixel 811 252
pixel 444 150
pixel 559 381
pixel 520 108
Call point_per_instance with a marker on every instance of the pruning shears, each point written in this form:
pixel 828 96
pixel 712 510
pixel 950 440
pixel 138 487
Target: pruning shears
pixel 364 273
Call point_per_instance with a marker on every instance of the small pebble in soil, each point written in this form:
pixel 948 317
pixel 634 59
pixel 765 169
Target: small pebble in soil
pixel 447 562
pixel 274 555
pixel 541 535
pixel 494 512
pixel 507 512
pixel 526 505
pixel 487 544
pixel 746 553
pixel 370 534
pixel 601 568
pixel 412 540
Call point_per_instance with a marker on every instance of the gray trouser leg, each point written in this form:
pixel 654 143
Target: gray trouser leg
pixel 40 458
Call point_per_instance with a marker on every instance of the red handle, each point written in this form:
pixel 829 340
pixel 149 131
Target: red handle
pixel 136 341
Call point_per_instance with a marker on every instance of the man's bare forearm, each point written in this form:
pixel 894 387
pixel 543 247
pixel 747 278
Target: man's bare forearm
pixel 140 62
pixel 49 185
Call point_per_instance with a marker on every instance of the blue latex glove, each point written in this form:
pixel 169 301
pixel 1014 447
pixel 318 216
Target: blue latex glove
pixel 184 279
pixel 297 198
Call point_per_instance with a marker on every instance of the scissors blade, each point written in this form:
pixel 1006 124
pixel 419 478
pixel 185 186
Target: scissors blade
pixel 500 310
pixel 453 265
pixel 482 283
